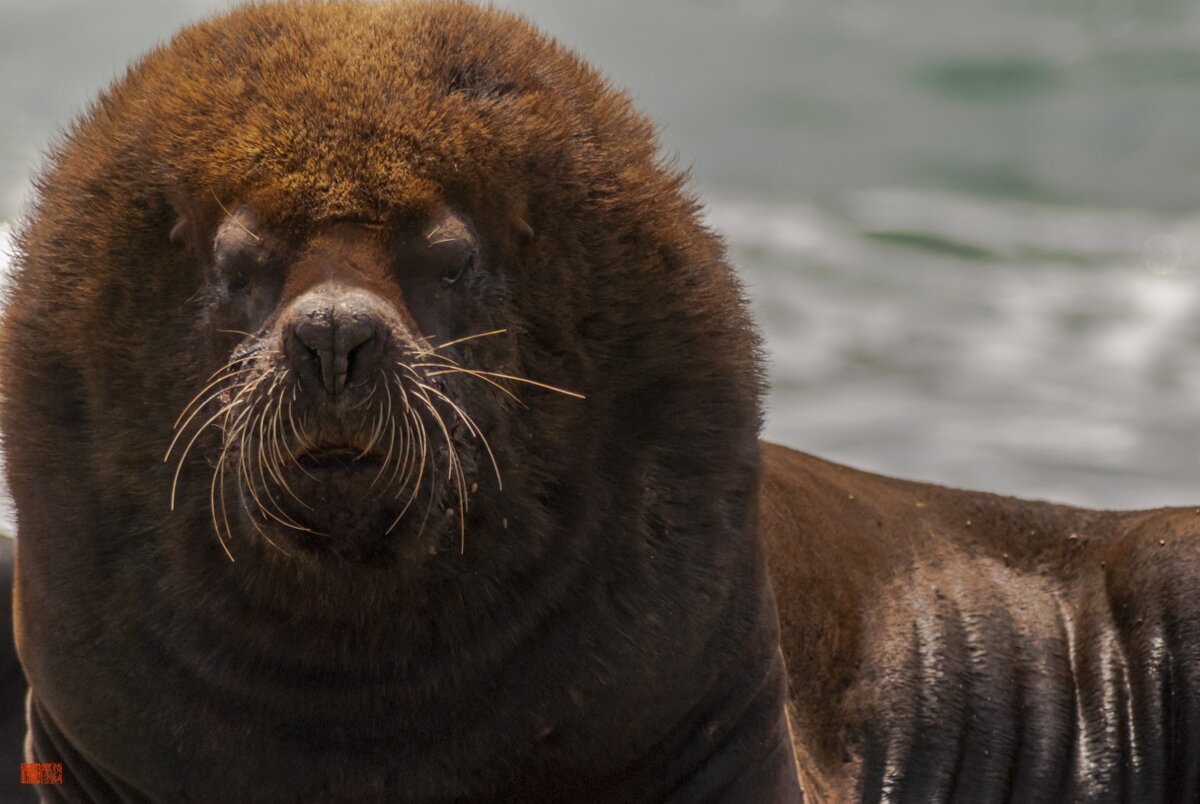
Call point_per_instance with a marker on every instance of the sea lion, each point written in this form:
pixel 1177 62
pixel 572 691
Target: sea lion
pixel 460 405
pixel 463 497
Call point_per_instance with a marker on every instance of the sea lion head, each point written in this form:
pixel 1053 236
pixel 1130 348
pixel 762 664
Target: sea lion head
pixel 361 361
pixel 387 284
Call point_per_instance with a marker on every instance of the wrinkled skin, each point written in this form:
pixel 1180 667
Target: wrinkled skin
pixel 945 645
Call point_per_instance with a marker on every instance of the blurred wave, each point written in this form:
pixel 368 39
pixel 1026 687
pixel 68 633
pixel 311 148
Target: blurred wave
pixel 1024 348
pixel 8 519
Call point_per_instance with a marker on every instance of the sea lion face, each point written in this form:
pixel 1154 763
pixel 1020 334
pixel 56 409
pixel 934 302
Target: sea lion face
pixel 458 395
pixel 388 284
pixel 347 416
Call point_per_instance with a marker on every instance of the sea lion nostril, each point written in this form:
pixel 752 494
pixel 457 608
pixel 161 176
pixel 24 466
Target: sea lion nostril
pixel 334 345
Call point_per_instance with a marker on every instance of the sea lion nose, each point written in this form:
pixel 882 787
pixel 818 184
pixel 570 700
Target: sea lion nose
pixel 335 340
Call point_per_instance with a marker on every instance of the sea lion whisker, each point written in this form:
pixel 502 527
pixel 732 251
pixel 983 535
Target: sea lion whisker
pixel 244 478
pixel 451 456
pixel 392 433
pixel 414 472
pixel 373 439
pixel 400 385
pixel 264 467
pixel 234 218
pixel 187 449
pixel 428 508
pixel 229 364
pixel 545 386
pixel 409 455
pixel 276 432
pixel 279 463
pixel 254 524
pixel 218 475
pixel 238 433
pixel 402 475
pixel 472 428
pixel 298 431
pixel 244 391
pixel 401 461
pixel 445 369
pixel 417 376
pixel 276 437
pixel 462 510
pixel 204 390
pixel 264 463
pixel 243 484
pixel 365 400
pixel 387 458
pixel 301 441
pixel 454 473
pixel 429 354
pixel 239 404
pixel 180 429
pixel 248 485
pixel 422 437
pixel 412 415
pixel 267 538
pixel 236 437
pixel 377 432
pixel 487 334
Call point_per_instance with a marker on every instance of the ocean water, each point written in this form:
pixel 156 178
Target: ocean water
pixel 970 229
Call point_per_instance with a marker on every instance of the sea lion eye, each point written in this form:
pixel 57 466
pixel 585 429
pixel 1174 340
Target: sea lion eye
pixel 237 281
pixel 235 268
pixel 454 246
pixel 241 254
pixel 453 273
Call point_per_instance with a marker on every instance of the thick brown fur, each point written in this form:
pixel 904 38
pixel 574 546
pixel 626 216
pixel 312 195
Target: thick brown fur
pixel 600 628
pixel 577 606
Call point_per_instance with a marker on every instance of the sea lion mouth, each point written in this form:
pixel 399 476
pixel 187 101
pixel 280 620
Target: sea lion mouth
pixel 349 477
pixel 335 459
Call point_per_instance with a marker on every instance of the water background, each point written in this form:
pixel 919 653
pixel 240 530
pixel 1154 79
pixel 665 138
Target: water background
pixel 970 228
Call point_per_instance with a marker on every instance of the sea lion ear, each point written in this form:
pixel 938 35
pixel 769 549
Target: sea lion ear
pixel 189 218
pixel 524 231
pixel 179 231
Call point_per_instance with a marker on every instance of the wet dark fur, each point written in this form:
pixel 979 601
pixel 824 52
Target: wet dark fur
pixel 602 627
pixel 599 629
pixel 945 645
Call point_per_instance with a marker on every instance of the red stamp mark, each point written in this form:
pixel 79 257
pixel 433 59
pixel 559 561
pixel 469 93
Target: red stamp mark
pixel 41 773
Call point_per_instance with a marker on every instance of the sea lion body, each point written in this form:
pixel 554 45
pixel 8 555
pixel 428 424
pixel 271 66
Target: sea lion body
pixel 463 498
pixel 453 508
pixel 947 645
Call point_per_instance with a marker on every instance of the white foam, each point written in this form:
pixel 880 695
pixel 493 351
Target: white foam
pixel 793 230
pixel 1053 354
pixel 8 519
pixel 5 249
pixel 1008 228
